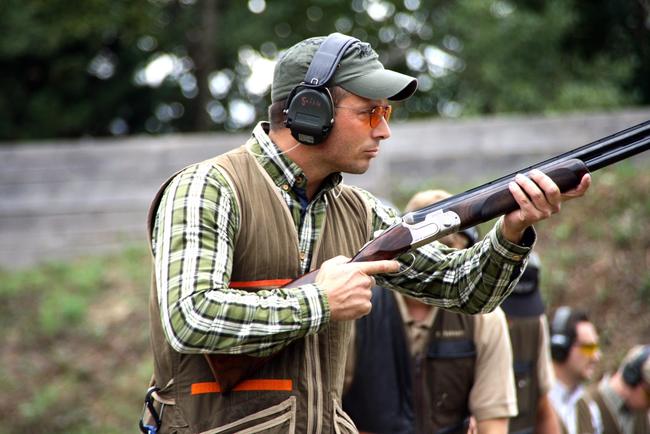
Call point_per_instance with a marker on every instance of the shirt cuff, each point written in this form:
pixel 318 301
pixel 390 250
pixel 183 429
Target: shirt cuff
pixel 508 250
pixel 504 410
pixel 314 308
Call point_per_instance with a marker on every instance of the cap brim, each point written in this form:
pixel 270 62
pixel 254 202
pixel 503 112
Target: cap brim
pixel 523 305
pixel 382 84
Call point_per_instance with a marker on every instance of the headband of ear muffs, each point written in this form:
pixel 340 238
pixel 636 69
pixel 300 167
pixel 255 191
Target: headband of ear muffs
pixel 309 113
pixel 561 338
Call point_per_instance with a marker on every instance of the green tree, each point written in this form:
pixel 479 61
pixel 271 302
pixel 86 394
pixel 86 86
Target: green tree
pixel 117 67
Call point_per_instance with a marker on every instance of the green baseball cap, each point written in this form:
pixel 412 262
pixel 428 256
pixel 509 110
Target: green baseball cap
pixel 359 72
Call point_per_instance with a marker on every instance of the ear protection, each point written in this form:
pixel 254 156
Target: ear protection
pixel 632 374
pixel 561 338
pixel 310 110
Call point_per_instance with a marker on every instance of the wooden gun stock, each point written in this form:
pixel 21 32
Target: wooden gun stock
pixel 458 212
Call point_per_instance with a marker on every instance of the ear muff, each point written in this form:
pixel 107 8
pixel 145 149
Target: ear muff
pixel 309 113
pixel 561 340
pixel 632 374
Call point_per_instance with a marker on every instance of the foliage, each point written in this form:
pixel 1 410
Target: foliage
pixel 118 67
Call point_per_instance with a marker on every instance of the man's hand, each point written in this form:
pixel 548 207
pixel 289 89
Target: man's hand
pixel 347 285
pixel 538 198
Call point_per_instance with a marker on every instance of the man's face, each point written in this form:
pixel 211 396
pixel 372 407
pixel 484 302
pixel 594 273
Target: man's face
pixel 584 355
pixel 353 143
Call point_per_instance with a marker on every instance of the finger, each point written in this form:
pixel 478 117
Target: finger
pixel 580 190
pixel 548 187
pixel 377 267
pixel 533 191
pixel 520 196
pixel 337 260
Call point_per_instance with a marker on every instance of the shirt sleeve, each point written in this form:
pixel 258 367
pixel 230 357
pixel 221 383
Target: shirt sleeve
pixel 472 280
pixel 193 242
pixel 493 394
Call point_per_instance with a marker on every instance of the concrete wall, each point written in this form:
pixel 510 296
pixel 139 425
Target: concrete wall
pixel 66 199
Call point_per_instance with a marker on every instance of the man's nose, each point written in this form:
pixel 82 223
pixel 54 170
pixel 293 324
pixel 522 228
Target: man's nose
pixel 382 131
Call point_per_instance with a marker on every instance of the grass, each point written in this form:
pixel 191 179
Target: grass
pixel 75 355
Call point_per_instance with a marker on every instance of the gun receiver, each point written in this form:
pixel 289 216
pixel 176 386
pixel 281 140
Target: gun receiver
pixel 455 213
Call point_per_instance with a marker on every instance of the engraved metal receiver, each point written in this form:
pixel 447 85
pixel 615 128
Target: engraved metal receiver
pixel 433 226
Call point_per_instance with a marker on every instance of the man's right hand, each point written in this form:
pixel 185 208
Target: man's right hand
pixel 347 285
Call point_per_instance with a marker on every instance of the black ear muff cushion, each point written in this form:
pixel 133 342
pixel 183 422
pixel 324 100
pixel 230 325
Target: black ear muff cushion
pixel 632 370
pixel 310 115
pixel 560 339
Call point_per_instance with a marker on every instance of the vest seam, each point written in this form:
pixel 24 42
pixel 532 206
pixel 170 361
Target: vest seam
pixel 231 184
pixel 319 381
pixel 308 381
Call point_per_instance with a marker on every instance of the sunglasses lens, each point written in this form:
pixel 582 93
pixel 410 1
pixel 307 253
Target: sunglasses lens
pixel 375 117
pixel 589 350
pixel 379 112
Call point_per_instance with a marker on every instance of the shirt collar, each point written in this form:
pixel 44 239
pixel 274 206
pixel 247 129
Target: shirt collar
pixel 282 170
pixel 568 396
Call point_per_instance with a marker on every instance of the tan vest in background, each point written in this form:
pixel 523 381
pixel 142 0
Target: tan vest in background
pixel 299 390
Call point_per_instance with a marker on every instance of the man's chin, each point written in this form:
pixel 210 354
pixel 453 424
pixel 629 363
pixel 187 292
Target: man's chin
pixel 357 170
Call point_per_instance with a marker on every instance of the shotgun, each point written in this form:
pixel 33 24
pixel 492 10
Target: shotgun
pixel 470 208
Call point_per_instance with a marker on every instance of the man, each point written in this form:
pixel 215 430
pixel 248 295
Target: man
pixel 228 233
pixel 575 352
pixel 528 328
pixel 416 368
pixel 623 399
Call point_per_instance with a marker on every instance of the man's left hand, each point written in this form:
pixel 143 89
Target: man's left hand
pixel 538 198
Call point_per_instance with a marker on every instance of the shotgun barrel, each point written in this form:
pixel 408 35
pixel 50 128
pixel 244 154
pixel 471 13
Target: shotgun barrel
pixel 455 213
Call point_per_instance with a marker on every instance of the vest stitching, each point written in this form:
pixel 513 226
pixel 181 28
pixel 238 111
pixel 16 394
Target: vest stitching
pixel 319 389
pixel 310 389
pixel 231 184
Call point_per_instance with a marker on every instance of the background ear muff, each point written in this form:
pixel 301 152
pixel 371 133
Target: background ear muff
pixel 561 340
pixel 309 112
pixel 632 374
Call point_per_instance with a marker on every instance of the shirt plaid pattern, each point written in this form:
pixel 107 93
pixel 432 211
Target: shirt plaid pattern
pixel 193 242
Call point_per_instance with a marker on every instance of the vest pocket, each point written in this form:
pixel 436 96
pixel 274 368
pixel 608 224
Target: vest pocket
pixel 523 381
pixel 278 419
pixel 445 377
pixel 342 422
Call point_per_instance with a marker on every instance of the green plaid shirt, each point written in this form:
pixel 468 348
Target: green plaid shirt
pixel 193 241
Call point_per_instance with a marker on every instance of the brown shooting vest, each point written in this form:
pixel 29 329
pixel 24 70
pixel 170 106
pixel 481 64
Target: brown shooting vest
pixel 299 388
pixel 444 375
pixel 525 341
pixel 610 426
pixel 583 419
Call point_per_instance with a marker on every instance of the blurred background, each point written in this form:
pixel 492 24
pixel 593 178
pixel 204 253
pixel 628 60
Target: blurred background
pixel 103 100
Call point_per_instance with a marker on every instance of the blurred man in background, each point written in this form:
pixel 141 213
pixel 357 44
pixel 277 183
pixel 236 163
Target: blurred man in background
pixel 576 353
pixel 416 368
pixel 528 328
pixel 624 398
